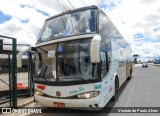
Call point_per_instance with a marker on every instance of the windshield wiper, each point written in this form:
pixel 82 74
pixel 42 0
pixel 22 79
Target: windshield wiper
pixel 50 75
pixel 43 72
pixel 72 77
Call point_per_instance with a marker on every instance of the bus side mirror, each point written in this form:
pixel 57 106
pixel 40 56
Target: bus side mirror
pixel 95 49
pixel 20 54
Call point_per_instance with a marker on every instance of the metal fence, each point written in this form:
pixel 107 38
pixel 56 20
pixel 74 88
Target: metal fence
pixel 14 82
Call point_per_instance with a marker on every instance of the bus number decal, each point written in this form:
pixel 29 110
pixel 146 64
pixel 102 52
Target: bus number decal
pixel 97 87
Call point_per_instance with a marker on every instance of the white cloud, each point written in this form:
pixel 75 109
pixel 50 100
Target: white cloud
pixel 133 16
pixel 138 16
pixel 15 28
pixel 24 32
pixel 11 26
pixel 35 12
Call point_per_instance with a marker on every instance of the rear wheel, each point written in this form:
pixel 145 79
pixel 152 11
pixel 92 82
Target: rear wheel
pixel 116 88
pixel 130 75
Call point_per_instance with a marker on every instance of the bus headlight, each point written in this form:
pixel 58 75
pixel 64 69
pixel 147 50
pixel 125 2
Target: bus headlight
pixel 88 95
pixel 39 93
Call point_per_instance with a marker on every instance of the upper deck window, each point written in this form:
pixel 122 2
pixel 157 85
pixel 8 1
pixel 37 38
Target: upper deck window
pixel 75 23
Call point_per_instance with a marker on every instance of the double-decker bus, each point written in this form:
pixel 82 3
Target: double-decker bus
pixel 81 60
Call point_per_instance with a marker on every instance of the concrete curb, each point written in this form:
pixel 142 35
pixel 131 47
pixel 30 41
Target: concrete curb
pixel 25 104
pixel 155 65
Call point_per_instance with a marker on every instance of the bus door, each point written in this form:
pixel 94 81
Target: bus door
pixel 121 67
pixel 105 75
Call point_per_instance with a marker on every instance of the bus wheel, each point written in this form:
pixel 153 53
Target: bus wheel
pixel 116 88
pixel 130 75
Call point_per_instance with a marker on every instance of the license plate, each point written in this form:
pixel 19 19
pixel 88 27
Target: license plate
pixel 58 104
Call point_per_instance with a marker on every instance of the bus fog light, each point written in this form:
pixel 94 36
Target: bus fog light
pixel 88 95
pixel 39 93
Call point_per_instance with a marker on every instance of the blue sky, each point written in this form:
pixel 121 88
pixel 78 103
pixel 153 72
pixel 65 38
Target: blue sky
pixel 138 20
pixel 4 17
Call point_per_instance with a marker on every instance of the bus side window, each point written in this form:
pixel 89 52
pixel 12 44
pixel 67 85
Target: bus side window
pixel 104 64
pixel 105 59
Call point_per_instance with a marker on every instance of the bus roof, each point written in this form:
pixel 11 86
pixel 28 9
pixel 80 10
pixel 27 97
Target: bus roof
pixel 70 11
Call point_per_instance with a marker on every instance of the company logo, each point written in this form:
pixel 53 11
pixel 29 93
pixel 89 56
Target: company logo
pixel 6 110
pixel 58 93
pixel 20 110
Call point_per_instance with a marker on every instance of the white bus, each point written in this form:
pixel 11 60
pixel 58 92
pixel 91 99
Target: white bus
pixel 81 60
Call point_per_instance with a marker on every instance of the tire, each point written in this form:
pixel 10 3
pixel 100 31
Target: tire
pixel 130 75
pixel 116 86
pixel 129 78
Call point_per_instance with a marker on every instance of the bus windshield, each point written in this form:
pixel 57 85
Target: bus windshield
pixel 73 61
pixel 66 62
pixel 75 23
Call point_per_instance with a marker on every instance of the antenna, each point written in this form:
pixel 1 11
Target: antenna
pixel 84 3
pixel 65 4
pixel 70 4
pixel 62 5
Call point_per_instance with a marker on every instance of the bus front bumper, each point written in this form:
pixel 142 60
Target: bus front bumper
pixel 84 104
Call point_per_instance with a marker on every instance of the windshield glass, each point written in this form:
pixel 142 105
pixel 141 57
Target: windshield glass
pixel 79 22
pixel 45 63
pixel 73 62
